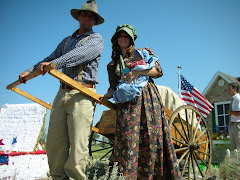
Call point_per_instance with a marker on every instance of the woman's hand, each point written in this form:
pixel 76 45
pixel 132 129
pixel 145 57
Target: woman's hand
pixel 132 75
pixel 100 99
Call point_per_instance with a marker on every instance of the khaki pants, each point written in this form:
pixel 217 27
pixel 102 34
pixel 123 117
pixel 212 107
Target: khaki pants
pixel 70 124
pixel 234 132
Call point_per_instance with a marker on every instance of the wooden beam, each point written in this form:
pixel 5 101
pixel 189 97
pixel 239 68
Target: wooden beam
pixel 31 75
pixel 95 129
pixel 84 90
pixel 64 78
pixel 33 98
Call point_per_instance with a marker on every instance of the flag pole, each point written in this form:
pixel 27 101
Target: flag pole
pixel 179 81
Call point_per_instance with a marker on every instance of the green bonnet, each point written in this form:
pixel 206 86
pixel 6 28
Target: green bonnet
pixel 130 30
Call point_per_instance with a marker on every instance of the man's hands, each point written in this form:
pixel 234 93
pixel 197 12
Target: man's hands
pixel 21 77
pixel 39 70
pixel 41 66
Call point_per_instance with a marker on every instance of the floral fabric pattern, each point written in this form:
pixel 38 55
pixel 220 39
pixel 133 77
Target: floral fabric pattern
pixel 142 146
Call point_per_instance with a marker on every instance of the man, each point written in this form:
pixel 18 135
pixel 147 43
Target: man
pixel 72 113
pixel 234 113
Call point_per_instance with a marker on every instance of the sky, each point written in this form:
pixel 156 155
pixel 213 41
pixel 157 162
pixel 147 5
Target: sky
pixel 201 36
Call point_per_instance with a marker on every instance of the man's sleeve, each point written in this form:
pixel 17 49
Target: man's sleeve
pixel 55 54
pixel 236 104
pixel 82 53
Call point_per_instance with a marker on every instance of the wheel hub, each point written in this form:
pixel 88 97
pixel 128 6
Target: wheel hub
pixel 193 146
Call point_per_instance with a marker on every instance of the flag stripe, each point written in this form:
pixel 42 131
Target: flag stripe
pixel 194 98
pixel 201 103
pixel 193 103
pixel 204 114
pixel 200 96
pixel 203 98
pixel 198 104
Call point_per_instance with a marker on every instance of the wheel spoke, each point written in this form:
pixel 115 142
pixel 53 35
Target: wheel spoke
pixel 201 159
pixel 189 166
pixel 188 128
pixel 192 124
pixel 181 149
pixel 204 142
pixel 181 121
pixel 179 141
pixel 193 166
pixel 198 165
pixel 203 152
pixel 186 161
pixel 106 154
pixel 200 135
pixel 184 154
pixel 179 132
pixel 101 149
pixel 195 133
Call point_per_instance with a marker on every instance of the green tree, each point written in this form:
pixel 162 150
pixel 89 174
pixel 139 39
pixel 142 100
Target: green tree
pixel 43 137
pixel 95 136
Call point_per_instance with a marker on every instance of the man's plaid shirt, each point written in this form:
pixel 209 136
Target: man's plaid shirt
pixel 76 53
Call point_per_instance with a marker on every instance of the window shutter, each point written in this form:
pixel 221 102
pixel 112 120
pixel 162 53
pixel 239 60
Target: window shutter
pixel 213 119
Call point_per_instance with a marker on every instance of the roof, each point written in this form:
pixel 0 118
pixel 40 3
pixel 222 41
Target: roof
pixel 226 77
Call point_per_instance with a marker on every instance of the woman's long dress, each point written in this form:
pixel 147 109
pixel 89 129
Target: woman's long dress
pixel 142 146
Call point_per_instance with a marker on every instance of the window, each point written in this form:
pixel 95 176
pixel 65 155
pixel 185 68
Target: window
pixel 222 117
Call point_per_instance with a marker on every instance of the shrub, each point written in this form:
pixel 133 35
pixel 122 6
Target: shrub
pixel 99 170
pixel 229 169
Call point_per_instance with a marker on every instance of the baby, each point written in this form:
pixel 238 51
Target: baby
pixel 131 63
pixel 128 92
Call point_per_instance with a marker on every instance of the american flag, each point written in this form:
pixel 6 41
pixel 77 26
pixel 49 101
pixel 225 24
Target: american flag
pixel 194 98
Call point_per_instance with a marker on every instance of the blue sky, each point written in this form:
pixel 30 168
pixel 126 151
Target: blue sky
pixel 202 36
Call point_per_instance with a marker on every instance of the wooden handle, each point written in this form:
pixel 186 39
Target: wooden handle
pixel 63 78
pixel 108 104
pixel 84 90
pixel 33 98
pixel 31 75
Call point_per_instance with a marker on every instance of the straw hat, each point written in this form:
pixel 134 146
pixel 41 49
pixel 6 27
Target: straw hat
pixel 90 5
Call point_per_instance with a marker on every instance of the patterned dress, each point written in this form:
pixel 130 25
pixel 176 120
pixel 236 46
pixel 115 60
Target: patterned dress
pixel 142 146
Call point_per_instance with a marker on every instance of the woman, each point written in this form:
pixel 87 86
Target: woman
pixel 128 91
pixel 142 147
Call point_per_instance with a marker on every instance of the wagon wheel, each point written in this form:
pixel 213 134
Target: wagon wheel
pixel 192 141
pixel 104 148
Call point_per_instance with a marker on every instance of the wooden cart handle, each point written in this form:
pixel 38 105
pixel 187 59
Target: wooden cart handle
pixel 63 78
pixel 31 75
pixel 84 90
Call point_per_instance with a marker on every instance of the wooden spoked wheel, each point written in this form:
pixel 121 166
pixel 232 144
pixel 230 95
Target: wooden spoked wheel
pixel 192 141
pixel 103 149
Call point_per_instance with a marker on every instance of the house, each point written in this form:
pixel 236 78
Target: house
pixel 217 94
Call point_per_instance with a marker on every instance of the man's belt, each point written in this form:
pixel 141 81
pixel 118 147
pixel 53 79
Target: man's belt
pixel 65 86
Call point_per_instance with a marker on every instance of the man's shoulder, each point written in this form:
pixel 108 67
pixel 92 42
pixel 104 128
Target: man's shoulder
pixel 96 35
pixel 237 96
pixel 66 38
